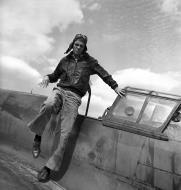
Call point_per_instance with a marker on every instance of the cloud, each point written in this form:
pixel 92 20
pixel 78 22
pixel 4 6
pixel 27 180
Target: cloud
pixel 17 65
pixel 94 7
pixel 140 78
pixel 147 79
pixel 111 37
pixel 172 7
pixel 27 25
pixel 103 96
pixel 17 74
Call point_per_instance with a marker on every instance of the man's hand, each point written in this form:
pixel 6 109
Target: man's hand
pixel 44 83
pixel 120 92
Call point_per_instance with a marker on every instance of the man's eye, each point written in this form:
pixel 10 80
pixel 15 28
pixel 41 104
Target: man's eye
pixel 79 45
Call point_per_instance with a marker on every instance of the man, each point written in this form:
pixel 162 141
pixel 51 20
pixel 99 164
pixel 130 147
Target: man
pixel 73 73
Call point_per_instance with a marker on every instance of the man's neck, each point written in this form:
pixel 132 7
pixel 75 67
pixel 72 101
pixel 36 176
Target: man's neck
pixel 77 56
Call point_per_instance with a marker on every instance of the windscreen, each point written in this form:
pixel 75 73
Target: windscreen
pixel 129 107
pixel 154 114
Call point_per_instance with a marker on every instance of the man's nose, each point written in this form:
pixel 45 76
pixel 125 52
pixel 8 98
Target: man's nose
pixel 78 47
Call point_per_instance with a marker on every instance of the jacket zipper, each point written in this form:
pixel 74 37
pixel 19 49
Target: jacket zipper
pixel 76 60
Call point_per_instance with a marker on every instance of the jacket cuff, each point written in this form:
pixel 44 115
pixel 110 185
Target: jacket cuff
pixel 49 77
pixel 114 86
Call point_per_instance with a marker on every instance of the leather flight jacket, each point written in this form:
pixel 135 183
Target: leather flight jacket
pixel 74 74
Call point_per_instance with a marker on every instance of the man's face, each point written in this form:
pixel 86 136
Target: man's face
pixel 78 47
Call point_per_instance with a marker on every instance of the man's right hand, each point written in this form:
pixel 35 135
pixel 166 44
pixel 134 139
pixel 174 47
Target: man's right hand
pixel 44 83
pixel 120 92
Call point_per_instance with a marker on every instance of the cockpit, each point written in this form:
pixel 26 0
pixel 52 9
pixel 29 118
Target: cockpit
pixel 144 112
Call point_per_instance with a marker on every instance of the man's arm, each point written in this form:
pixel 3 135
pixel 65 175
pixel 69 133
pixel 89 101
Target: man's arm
pixel 107 78
pixel 53 77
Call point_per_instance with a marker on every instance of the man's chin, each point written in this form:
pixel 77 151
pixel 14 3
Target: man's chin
pixel 77 53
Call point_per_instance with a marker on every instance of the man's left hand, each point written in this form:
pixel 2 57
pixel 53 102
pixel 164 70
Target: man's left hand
pixel 120 92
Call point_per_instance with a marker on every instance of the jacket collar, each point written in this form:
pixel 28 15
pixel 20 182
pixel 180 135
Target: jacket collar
pixel 83 56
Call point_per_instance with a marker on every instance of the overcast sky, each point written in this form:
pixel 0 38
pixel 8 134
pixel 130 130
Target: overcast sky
pixel 137 41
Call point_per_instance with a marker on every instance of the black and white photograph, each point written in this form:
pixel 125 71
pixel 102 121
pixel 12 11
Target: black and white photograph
pixel 90 95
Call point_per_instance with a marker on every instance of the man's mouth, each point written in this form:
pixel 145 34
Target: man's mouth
pixel 77 50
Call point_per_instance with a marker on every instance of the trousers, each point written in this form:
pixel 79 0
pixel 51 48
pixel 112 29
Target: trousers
pixel 65 105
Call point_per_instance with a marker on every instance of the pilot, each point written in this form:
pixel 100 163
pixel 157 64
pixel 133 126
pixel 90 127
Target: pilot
pixel 73 73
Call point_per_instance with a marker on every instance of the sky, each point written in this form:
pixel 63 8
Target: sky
pixel 138 42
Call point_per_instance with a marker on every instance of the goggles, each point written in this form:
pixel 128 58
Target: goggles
pixel 84 37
